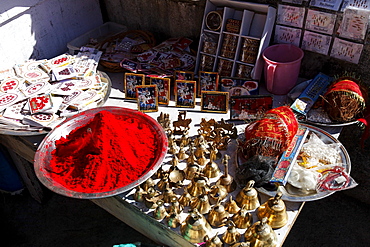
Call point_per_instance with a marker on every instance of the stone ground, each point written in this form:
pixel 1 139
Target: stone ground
pixel 342 219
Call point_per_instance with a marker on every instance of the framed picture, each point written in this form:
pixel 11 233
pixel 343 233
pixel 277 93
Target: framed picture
pixel 185 93
pixel 215 101
pixel 208 81
pixel 239 86
pixel 163 85
pixel 184 75
pixel 131 80
pixel 147 98
pixel 249 107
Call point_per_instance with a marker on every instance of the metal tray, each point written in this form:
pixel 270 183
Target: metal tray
pixel 294 195
pixel 44 152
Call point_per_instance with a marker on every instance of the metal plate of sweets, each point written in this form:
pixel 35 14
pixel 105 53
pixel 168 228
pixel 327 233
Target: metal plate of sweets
pixel 9 130
pixel 293 194
pixel 44 152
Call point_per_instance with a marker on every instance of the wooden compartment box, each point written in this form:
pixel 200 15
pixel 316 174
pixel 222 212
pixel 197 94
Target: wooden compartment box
pixel 234 48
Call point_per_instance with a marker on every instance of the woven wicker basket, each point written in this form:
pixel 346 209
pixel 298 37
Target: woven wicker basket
pixel 113 66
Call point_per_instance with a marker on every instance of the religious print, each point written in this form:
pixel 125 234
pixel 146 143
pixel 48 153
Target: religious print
pixel 131 80
pixel 249 107
pixel 185 93
pixel 208 81
pixel 346 50
pixel 215 101
pixel 184 75
pixel 321 22
pixel 290 15
pixel 163 86
pixel 147 98
pixel 287 35
pixel 316 42
pixel 354 24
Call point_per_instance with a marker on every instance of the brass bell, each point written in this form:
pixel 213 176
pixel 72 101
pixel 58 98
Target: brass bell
pixel 231 235
pixel 214 242
pixel 175 206
pixel 192 170
pixel 148 183
pixel 201 203
pixel 248 196
pixel 242 219
pixel 173 220
pixel 151 197
pixel 195 227
pixel 139 194
pixel 181 155
pixel 185 198
pixel 274 210
pixel 231 206
pixel 191 158
pixel 202 160
pixel 160 211
pixel 227 180
pixel 217 193
pixel 242 244
pixel 173 148
pixel 198 186
pixel 211 170
pixel 176 175
pixel 261 234
pixel 163 183
pixel 168 194
pixel 218 216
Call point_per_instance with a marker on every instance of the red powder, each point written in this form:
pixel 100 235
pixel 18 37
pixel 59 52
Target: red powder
pixel 107 153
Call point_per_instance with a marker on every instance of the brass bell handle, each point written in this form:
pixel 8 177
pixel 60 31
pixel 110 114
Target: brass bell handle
pixel 250 184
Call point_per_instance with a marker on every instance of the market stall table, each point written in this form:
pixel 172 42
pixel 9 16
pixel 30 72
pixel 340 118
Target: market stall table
pixel 22 149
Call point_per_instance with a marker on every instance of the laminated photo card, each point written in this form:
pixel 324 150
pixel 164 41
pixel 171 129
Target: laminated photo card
pixel 316 42
pixel 321 22
pixel 326 4
pixel 354 24
pixel 287 35
pixel 346 50
pixel 290 15
pixel 293 1
pixel 358 4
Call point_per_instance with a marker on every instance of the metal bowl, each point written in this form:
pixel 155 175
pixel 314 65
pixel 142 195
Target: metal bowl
pixel 44 152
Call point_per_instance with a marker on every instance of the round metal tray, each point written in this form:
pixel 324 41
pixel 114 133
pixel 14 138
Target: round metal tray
pixel 294 195
pixel 44 152
pixel 104 77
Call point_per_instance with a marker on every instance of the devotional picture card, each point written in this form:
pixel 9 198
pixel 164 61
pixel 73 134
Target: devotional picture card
pixel 293 1
pixel 147 98
pixel 354 24
pixel 316 42
pixel 208 81
pixel 290 15
pixel 214 101
pixel 131 80
pixel 346 50
pixel 287 35
pixel 249 107
pixel 163 86
pixel 321 22
pixel 184 75
pixel 185 93
pixel 326 4
pixel 358 4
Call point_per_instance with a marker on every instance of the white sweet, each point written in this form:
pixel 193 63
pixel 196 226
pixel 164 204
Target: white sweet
pixel 303 178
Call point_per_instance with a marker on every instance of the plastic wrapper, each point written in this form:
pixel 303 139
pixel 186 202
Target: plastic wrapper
pixel 334 178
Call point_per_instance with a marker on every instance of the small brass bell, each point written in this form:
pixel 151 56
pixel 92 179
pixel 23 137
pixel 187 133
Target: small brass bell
pixel 151 197
pixel 163 183
pixel 202 160
pixel 218 216
pixel 195 227
pixel 192 170
pixel 139 194
pixel 175 206
pixel 211 170
pixel 261 234
pixel 181 155
pixel 148 184
pixel 173 148
pixel 242 244
pixel 176 175
pixel 201 203
pixel 160 211
pixel 231 206
pixel 173 220
pixel 214 242
pixel 175 160
pixel 168 194
pixel 191 158
pixel 231 235
pixel 198 186
pixel 227 180
pixel 185 198
pixel 242 219
pixel 217 193
pixel 248 196
pixel 275 211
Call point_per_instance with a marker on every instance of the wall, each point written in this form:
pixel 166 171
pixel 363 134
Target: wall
pixel 173 18
pixel 38 29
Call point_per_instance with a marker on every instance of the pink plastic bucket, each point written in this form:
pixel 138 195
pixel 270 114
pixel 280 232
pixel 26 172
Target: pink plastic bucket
pixel 281 69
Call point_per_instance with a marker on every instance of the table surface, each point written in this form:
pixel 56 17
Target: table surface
pixel 131 212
